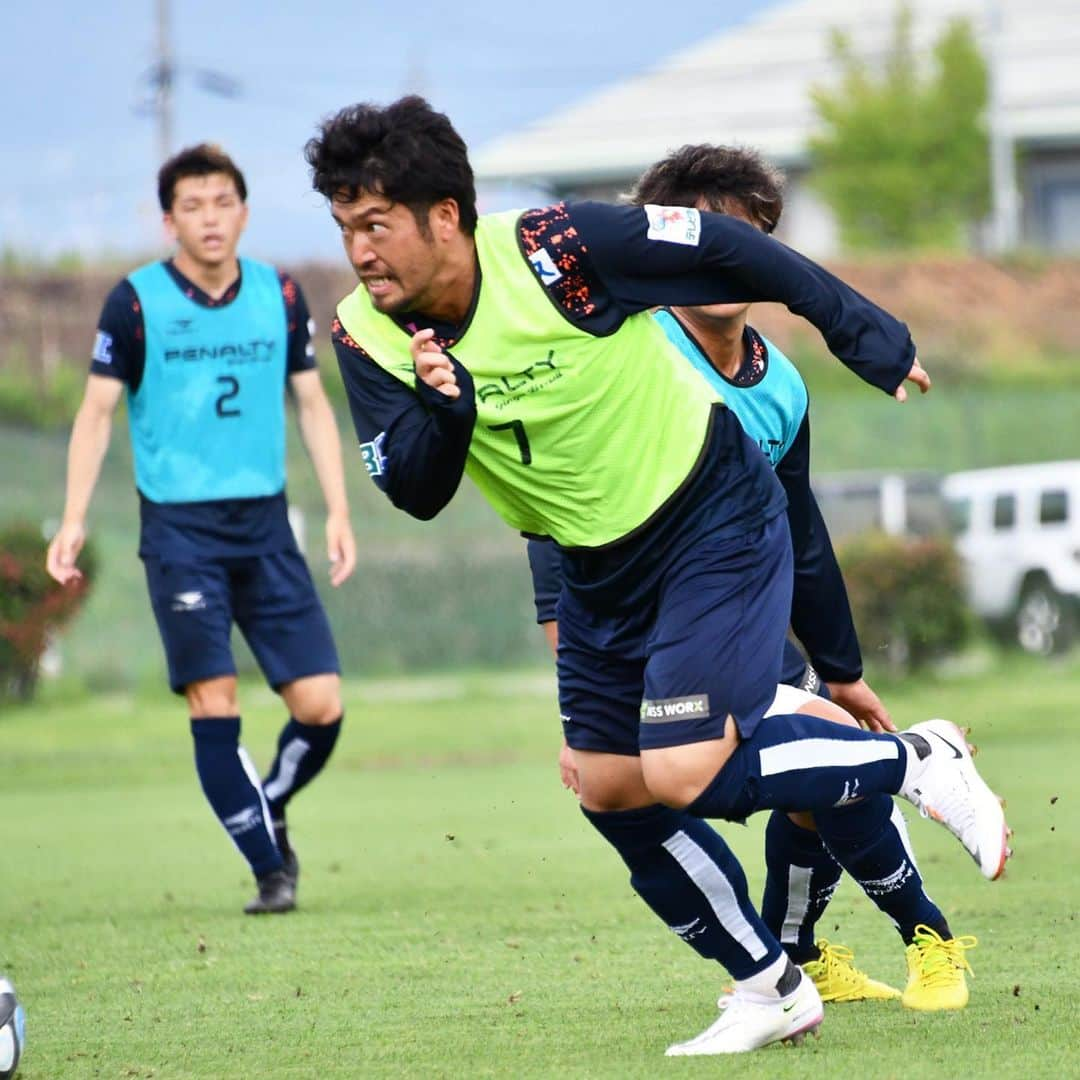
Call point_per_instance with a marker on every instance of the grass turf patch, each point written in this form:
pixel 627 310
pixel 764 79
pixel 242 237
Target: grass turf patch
pixel 459 918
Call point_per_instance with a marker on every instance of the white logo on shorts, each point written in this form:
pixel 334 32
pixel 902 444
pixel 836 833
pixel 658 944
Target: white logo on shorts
pixel 188 601
pixel 666 710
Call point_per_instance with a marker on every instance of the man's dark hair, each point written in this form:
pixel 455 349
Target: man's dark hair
pixel 727 178
pixel 406 151
pixel 201 160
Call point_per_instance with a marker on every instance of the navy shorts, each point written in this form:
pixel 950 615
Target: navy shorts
pixel 271 598
pixel 545 565
pixel 706 642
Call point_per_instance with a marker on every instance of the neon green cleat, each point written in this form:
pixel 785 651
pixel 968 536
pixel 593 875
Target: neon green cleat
pixel 936 969
pixel 838 979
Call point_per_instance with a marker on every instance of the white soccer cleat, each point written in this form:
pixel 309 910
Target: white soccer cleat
pixel 948 789
pixel 748 1021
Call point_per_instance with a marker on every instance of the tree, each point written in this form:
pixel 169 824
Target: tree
pixel 903 157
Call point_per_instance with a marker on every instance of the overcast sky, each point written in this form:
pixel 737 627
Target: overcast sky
pixel 78 160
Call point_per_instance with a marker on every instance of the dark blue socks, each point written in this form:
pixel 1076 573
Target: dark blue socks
pixel 800 879
pixel 797 762
pixel 687 874
pixel 845 776
pixel 302 751
pixel 232 788
pixel 869 839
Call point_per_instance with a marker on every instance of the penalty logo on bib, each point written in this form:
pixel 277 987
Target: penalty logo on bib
pixel 675 224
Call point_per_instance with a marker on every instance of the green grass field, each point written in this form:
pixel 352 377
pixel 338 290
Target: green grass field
pixel 459 919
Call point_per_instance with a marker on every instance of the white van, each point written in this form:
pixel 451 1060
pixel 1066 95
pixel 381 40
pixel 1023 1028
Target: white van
pixel 1017 529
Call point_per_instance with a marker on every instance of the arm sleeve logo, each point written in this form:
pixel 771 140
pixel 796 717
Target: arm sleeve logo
pixel 675 224
pixel 544 266
pixel 372 455
pixel 102 351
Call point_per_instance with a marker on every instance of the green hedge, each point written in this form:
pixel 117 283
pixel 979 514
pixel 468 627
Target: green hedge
pixel 26 402
pixel 456 609
pixel 907 596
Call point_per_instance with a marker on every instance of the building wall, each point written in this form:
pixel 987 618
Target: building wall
pixel 1050 181
pixel 808 224
pixel 1050 191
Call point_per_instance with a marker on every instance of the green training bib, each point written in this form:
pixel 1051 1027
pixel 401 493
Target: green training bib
pixel 577 437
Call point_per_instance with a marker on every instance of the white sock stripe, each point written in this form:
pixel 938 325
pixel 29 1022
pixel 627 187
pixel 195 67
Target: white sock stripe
pixel 256 783
pixel 717 889
pixel 900 825
pixel 288 762
pixel 825 753
pixel 798 903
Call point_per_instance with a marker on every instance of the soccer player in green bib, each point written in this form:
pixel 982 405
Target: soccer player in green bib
pixel 766 392
pixel 206 346
pixel 519 348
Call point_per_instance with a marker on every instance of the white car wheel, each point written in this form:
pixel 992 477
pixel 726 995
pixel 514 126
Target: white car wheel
pixel 1041 620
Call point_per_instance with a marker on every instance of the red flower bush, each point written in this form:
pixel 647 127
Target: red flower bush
pixel 32 606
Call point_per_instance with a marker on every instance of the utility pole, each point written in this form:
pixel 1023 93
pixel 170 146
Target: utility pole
pixel 165 81
pixel 1005 233
pixel 159 82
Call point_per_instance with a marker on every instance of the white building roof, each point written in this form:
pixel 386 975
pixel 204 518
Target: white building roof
pixel 751 86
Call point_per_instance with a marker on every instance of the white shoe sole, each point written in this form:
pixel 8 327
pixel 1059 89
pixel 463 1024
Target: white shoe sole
pixel 807 1022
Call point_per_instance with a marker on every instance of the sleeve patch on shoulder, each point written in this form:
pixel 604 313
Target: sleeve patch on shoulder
pixel 544 266
pixel 372 455
pixel 102 351
pixel 675 224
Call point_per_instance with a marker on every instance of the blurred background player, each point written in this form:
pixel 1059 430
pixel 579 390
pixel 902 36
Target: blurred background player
pixel 520 346
pixel 766 392
pixel 206 345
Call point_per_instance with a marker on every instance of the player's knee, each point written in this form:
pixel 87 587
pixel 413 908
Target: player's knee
pixel 673 790
pixel 212 697
pixel 610 782
pixel 677 775
pixel 602 800
pixel 315 700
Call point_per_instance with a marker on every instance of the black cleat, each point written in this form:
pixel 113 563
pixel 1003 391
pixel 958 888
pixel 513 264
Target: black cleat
pixel 277 894
pixel 292 863
pixel 291 869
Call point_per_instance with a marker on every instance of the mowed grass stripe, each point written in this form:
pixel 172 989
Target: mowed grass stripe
pixel 458 916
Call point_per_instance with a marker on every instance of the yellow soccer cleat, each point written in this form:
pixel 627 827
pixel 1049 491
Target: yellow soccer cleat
pixel 936 969
pixel 838 979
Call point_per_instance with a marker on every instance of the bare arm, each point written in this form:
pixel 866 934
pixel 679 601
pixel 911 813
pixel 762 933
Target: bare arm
pixel 90 435
pixel 318 428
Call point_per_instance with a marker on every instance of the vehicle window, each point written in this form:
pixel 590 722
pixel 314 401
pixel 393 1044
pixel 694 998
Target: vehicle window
pixel 959 511
pixel 1053 507
pixel 1004 511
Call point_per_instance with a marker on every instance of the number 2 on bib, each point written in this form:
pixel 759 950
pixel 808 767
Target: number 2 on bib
pixel 232 383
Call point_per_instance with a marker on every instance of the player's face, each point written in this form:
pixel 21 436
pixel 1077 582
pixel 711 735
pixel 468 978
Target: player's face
pixel 724 312
pixel 396 261
pixel 207 218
